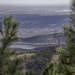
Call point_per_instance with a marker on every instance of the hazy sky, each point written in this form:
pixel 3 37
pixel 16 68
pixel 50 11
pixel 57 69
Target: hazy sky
pixel 36 2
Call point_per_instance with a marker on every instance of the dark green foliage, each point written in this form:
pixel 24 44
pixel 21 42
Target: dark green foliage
pixel 70 33
pixel 66 64
pixel 51 69
pixel 47 70
pixel 30 73
pixel 8 35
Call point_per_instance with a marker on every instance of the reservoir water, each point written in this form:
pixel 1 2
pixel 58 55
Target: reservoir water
pixel 22 46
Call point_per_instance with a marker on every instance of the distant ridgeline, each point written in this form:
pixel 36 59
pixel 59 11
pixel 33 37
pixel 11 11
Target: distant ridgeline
pixel 41 40
pixel 38 24
pixel 35 29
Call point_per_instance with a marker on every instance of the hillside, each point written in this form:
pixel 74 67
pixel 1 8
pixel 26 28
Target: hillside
pixel 36 24
pixel 56 38
pixel 36 60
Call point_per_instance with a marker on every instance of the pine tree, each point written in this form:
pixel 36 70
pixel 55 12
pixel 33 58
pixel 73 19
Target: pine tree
pixel 67 57
pixel 51 69
pixel 66 64
pixel 30 73
pixel 8 31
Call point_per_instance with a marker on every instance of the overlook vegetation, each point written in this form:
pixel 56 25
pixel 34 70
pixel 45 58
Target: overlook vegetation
pixel 66 65
pixel 28 60
pixel 37 62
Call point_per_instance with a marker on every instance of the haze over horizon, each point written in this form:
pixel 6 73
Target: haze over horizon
pixel 35 2
pixel 40 17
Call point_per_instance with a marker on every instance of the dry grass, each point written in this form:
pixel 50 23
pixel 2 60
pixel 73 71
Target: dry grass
pixel 28 55
pixel 55 58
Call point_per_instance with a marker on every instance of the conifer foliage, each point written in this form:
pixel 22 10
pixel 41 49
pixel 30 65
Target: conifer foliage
pixel 8 31
pixel 66 64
